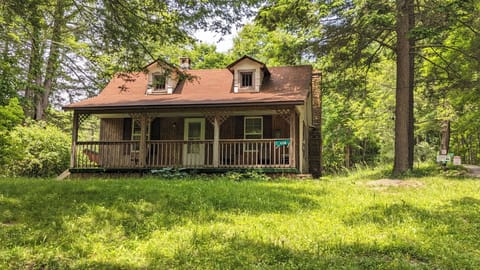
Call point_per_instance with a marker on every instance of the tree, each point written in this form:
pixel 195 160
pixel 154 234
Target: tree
pixel 273 47
pixel 450 76
pixel 76 46
pixel 404 91
pixel 351 37
pixel 202 56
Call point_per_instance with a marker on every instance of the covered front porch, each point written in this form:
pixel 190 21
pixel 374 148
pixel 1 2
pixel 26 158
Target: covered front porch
pixel 240 138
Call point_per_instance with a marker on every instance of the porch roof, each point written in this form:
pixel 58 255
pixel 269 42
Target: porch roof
pixel 211 87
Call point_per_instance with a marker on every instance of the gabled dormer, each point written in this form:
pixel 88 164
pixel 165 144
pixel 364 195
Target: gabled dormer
pixel 248 74
pixel 162 78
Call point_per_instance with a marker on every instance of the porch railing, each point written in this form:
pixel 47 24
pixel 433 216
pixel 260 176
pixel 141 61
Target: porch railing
pixel 254 153
pixel 259 153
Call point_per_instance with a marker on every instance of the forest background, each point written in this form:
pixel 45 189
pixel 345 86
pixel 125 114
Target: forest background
pixel 53 52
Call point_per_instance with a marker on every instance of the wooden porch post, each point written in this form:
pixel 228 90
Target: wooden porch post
pixel 293 137
pixel 216 142
pixel 74 140
pixel 143 141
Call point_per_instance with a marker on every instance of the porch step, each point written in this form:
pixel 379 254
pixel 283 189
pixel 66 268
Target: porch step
pixel 64 175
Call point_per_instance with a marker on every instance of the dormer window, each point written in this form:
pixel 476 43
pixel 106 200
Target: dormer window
pixel 246 79
pixel 248 75
pixel 159 82
pixel 162 78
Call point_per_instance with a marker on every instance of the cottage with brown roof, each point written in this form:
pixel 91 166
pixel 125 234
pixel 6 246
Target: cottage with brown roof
pixel 245 116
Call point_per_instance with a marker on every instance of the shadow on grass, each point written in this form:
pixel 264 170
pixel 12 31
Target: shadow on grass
pixel 55 214
pixel 451 231
pixel 466 209
pixel 216 251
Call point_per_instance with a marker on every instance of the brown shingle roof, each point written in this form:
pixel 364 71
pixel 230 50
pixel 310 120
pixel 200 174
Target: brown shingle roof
pixel 212 87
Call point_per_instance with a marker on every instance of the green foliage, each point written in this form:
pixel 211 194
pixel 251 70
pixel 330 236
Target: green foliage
pixel 248 175
pixel 202 56
pixel 275 48
pixel 150 223
pixel 8 81
pixel 169 173
pixel 51 50
pixel 10 116
pixel 353 43
pixel 425 152
pixel 40 150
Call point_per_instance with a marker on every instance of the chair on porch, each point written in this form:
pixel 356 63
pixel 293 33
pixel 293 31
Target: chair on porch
pixel 93 156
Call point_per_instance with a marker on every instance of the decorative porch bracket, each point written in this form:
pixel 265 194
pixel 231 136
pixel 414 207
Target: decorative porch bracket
pixel 285 114
pixel 216 119
pixel 78 119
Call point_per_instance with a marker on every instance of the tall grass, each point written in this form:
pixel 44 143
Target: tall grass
pixel 216 223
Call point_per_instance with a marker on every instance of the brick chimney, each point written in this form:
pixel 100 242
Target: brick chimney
pixel 315 132
pixel 184 63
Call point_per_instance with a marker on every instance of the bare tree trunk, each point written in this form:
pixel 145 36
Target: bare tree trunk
pixel 411 83
pixel 34 72
pixel 404 140
pixel 52 62
pixel 6 41
pixel 364 151
pixel 445 136
pixel 347 151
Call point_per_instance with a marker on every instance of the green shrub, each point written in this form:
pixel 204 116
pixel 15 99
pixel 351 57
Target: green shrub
pixel 41 150
pixel 247 175
pixel 10 116
pixel 425 152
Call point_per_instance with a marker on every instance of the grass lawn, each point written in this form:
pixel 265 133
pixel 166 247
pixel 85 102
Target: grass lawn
pixel 217 223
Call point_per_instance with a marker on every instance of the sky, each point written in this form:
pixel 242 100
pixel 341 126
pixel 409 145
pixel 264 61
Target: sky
pixel 223 42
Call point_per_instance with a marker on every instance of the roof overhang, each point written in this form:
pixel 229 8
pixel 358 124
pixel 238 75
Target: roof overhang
pixel 193 106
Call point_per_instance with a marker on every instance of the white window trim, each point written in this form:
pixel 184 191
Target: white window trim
pixel 245 132
pixel 152 83
pixel 240 75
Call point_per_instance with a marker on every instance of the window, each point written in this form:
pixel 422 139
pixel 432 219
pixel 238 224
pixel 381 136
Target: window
pixel 137 134
pixel 246 79
pixel 253 129
pixel 159 82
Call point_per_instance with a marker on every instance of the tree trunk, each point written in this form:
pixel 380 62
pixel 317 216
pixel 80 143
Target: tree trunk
pixel 404 140
pixel 34 72
pixel 364 151
pixel 445 137
pixel 411 83
pixel 52 62
pixel 347 151
pixel 6 41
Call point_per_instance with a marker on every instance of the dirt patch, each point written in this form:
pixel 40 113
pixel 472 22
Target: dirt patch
pixel 382 183
pixel 474 171
pixel 8 223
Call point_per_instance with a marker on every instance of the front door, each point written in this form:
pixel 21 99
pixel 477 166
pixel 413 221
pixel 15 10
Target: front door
pixel 194 147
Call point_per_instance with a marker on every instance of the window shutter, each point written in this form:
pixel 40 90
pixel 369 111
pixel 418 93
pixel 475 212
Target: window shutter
pixel 238 127
pixel 127 134
pixel 155 129
pixel 127 129
pixel 267 126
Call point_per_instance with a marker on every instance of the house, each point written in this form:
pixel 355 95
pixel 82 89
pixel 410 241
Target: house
pixel 245 116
